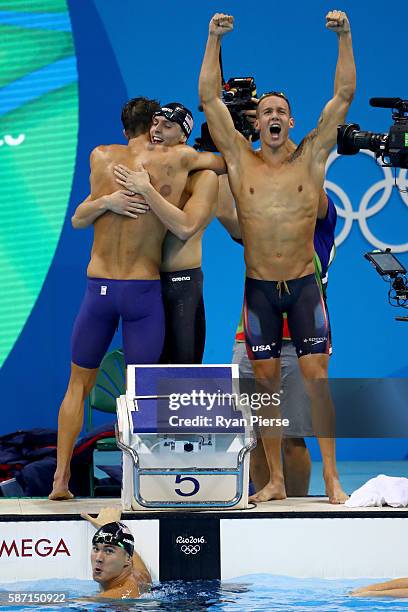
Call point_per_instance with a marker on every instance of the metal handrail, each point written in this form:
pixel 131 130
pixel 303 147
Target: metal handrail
pixel 137 472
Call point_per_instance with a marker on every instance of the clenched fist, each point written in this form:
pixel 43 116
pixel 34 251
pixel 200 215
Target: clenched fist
pixel 221 24
pixel 337 21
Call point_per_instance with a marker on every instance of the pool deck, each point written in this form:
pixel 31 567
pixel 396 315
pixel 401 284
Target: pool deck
pixel 34 508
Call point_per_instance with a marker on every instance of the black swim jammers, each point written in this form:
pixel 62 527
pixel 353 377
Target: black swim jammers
pixel 185 316
pixel 264 305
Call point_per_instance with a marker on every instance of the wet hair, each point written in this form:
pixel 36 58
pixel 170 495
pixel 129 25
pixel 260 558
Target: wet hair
pixel 137 115
pixel 278 94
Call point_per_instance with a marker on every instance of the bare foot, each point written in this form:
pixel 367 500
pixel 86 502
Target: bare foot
pixel 334 491
pixel 60 492
pixel 270 491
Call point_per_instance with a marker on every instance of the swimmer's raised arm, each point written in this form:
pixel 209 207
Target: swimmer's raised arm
pixel 226 138
pixel 197 211
pixel 324 137
pixel 105 516
pixel 141 573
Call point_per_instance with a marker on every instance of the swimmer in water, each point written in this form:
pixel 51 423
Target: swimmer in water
pixel 119 570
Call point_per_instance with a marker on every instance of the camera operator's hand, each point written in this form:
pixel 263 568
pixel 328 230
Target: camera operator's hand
pixel 338 22
pixel 251 114
pixel 134 180
pixel 221 24
pixel 126 203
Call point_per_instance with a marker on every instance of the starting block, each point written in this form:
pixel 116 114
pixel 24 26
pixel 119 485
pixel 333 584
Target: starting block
pixel 185 438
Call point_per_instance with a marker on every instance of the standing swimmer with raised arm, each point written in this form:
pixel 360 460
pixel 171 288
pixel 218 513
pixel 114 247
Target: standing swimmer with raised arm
pixel 277 195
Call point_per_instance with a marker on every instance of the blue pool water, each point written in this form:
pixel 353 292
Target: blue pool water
pixel 251 593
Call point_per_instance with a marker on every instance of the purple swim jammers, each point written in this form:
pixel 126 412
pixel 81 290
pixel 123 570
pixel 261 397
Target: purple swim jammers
pixel 137 302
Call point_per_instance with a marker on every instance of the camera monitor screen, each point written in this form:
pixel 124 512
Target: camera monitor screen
pixel 385 263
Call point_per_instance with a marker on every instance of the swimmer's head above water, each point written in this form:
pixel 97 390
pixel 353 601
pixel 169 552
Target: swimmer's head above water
pixel 172 124
pixel 112 550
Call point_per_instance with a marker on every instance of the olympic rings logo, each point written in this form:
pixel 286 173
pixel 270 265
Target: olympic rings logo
pixel 190 550
pixel 364 212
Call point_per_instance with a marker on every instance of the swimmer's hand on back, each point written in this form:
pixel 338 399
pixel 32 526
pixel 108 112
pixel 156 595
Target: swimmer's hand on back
pixel 126 202
pixel 137 180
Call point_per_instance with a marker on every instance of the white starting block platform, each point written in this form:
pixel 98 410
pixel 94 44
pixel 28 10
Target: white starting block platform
pixel 185 438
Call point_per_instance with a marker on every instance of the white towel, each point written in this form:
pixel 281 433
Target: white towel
pixel 380 491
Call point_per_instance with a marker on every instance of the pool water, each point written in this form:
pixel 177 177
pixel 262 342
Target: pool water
pixel 250 593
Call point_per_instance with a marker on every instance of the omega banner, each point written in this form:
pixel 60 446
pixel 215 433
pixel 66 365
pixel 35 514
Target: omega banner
pixel 31 550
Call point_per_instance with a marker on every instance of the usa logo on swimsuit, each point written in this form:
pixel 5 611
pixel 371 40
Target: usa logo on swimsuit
pixel 263 347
